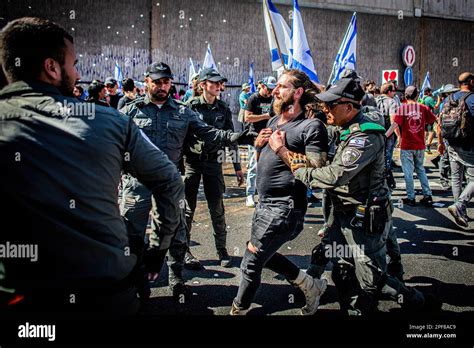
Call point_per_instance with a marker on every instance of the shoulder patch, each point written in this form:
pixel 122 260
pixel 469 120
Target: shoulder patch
pixel 357 142
pixel 350 156
pixel 373 115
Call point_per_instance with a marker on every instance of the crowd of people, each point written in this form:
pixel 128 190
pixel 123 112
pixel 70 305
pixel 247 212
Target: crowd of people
pixel 86 185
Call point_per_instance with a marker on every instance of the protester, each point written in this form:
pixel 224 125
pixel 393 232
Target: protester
pixel 279 216
pixel 129 93
pixel 412 118
pixel 460 147
pixel 111 86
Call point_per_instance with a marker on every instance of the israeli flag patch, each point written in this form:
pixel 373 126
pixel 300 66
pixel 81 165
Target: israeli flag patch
pixel 357 142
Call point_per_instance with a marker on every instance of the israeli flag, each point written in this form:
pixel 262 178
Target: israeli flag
pixel 346 56
pixel 426 84
pixel 252 80
pixel 209 59
pixel 118 76
pixel 300 55
pixel 278 34
pixel 192 71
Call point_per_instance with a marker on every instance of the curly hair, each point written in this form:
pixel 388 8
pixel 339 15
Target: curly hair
pixel 308 102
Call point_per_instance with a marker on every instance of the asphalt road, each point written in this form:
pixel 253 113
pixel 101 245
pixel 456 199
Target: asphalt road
pixel 438 257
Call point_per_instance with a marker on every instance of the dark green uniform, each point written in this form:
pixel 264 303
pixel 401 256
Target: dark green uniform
pixel 204 160
pixel 355 178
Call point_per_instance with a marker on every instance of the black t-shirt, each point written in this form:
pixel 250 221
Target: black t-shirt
pixel 259 105
pixel 274 177
pixel 114 99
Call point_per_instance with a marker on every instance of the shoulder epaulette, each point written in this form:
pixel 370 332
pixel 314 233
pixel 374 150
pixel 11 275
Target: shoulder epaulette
pixel 366 127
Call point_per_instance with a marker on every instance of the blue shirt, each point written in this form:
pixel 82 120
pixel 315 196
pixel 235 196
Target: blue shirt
pixel 469 101
pixel 242 98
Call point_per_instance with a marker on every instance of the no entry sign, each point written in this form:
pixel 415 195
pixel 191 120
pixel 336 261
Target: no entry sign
pixel 408 56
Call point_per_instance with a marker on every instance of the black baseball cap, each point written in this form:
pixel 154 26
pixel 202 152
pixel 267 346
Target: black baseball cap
pixel 212 75
pixel 157 71
pixel 110 81
pixel 343 88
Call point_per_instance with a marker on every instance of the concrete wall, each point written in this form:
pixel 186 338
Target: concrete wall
pixel 174 30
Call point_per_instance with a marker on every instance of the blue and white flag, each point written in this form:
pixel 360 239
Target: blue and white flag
pixel 192 71
pixel 346 56
pixel 118 76
pixel 252 80
pixel 300 55
pixel 278 34
pixel 426 84
pixel 209 59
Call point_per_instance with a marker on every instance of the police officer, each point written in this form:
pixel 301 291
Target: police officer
pixel 63 187
pixel 205 160
pixel 361 214
pixel 166 123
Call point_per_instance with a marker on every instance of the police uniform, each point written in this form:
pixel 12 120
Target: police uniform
pixel 167 128
pixel 205 160
pixel 361 214
pixel 63 193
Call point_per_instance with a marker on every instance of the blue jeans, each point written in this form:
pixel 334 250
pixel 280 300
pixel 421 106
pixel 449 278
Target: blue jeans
pixel 252 172
pixel 412 160
pixel 274 223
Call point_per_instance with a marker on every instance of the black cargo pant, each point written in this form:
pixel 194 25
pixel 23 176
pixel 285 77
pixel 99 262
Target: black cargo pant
pixel 214 187
pixel 135 206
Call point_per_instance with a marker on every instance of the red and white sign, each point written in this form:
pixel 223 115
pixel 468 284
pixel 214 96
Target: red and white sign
pixel 389 75
pixel 408 56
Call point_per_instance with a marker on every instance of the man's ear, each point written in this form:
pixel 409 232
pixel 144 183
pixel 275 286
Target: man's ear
pixel 299 92
pixel 52 69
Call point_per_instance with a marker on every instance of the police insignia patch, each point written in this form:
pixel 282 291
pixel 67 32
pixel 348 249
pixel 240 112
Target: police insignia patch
pixel 350 156
pixel 143 122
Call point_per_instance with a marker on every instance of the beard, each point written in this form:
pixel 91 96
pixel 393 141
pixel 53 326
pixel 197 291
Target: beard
pixel 66 86
pixel 159 97
pixel 283 104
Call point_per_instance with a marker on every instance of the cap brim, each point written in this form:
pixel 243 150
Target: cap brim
pixel 328 97
pixel 216 79
pixel 270 86
pixel 452 90
pixel 159 76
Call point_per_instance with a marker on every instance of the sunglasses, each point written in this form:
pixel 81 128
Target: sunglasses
pixel 333 104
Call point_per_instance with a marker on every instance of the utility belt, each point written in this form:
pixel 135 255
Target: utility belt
pixel 207 157
pixel 373 216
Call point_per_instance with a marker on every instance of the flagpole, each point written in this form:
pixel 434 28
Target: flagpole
pixel 274 34
pixel 342 43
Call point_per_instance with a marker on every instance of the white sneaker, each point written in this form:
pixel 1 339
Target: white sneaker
pixel 312 289
pixel 250 202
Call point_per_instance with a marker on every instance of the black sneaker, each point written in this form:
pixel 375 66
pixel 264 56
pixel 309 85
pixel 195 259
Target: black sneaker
pixel 427 201
pixel 192 263
pixel 435 161
pixel 408 201
pixel 224 258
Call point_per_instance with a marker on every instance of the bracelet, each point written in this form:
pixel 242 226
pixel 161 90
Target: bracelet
pixel 278 150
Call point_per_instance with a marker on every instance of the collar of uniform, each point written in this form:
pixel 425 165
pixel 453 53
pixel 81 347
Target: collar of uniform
pixel 204 102
pixel 169 102
pixel 356 119
pixel 20 87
